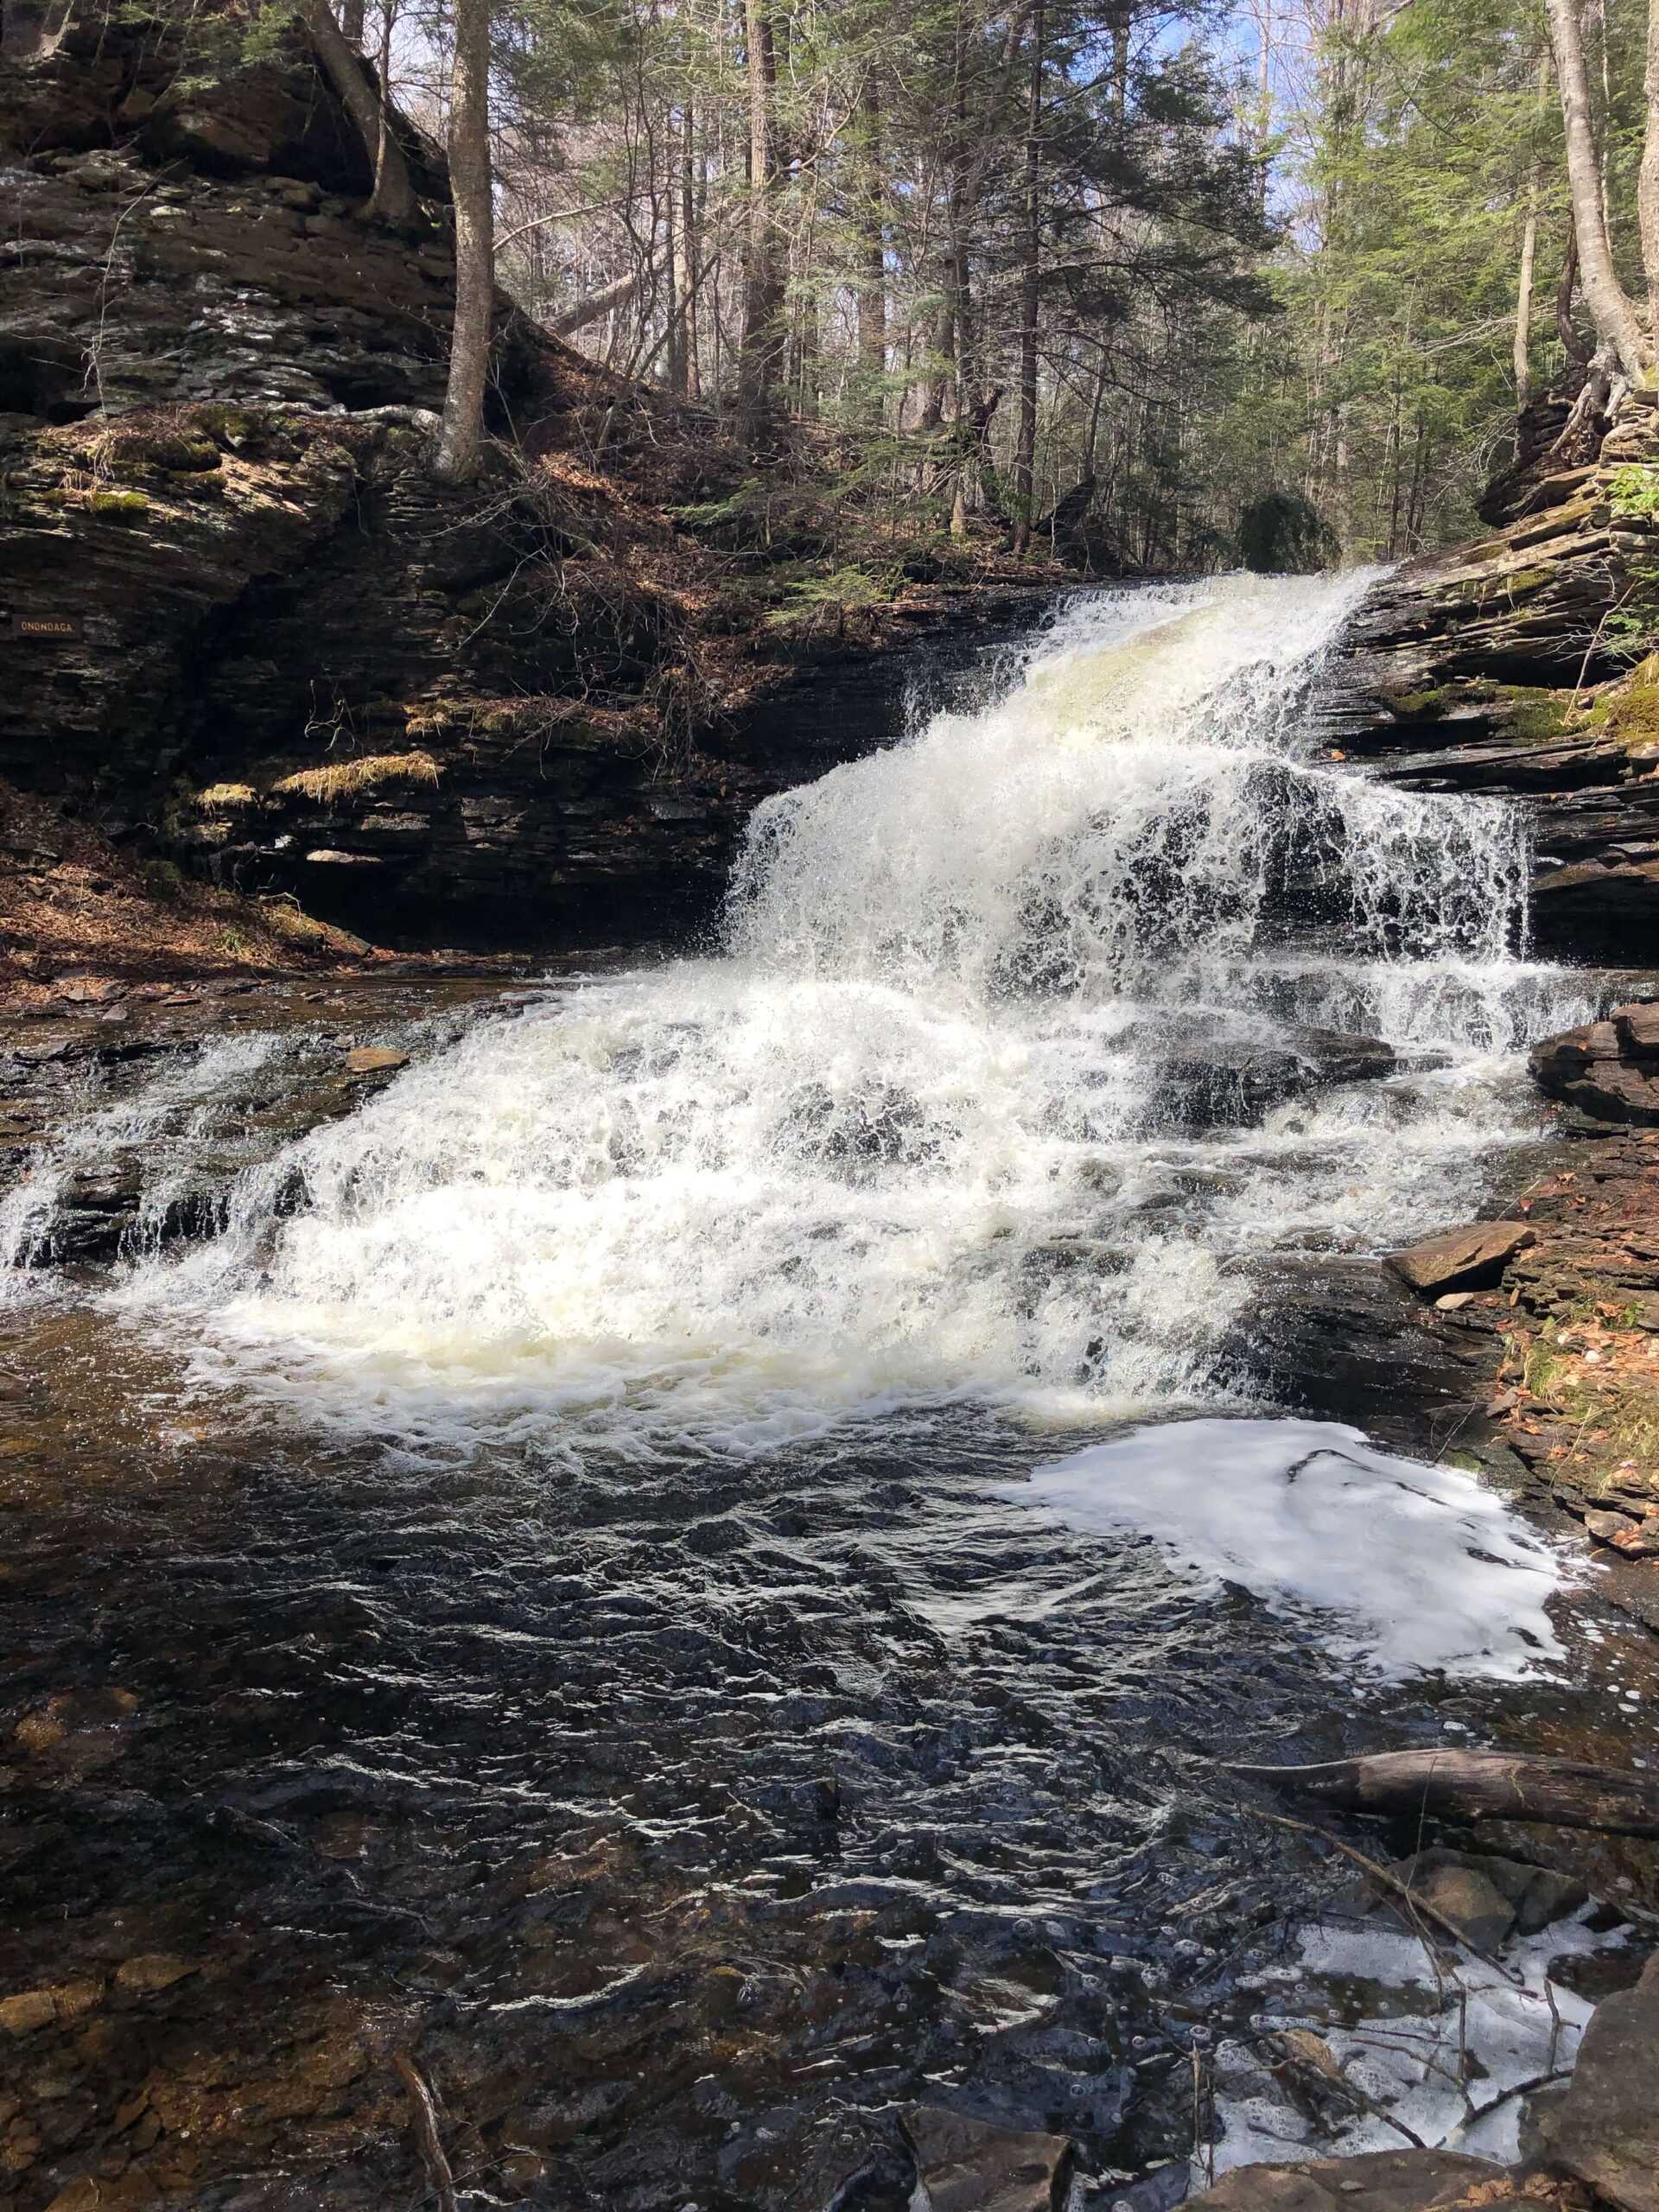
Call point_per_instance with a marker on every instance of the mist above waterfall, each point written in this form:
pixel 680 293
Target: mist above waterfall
pixel 1003 1087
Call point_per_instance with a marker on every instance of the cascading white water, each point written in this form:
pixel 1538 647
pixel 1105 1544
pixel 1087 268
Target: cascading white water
pixel 914 1136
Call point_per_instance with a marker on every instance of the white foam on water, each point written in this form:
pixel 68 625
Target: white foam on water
pixel 911 1138
pixel 1450 2041
pixel 1412 1567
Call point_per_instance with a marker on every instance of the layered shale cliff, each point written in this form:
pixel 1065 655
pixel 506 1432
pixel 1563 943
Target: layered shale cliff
pixel 1516 666
pixel 247 636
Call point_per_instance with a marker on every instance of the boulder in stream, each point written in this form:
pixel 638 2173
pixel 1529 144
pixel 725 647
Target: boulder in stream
pixel 1489 1899
pixel 1604 2128
pixel 964 2165
pixel 1215 1077
pixel 1379 2181
pixel 1462 1259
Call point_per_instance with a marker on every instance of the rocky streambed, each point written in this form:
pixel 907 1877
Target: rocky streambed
pixel 774 1831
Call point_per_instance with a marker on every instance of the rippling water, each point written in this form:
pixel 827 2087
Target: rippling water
pixel 636 1563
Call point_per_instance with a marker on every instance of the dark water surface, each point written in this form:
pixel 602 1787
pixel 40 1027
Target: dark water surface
pixel 688 1823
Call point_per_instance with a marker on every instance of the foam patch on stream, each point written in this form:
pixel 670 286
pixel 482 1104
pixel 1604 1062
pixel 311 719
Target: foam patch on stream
pixel 1443 2046
pixel 1408 1567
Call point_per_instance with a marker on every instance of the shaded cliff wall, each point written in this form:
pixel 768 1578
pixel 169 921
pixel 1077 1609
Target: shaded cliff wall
pixel 244 628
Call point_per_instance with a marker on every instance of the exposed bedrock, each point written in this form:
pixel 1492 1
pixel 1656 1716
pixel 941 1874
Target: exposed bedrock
pixel 245 632
pixel 1505 667
pixel 1609 1070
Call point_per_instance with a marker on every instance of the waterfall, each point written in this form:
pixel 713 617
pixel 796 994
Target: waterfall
pixel 1007 1080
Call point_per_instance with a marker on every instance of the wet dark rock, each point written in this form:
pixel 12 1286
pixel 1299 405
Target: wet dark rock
pixel 1608 1069
pixel 969 2165
pixel 1605 904
pixel 1488 1898
pixel 1378 2181
pixel 1603 2129
pixel 1344 1336
pixel 1227 1079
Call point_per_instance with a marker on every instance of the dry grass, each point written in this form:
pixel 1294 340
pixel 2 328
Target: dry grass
pixel 370 772
pixel 225 799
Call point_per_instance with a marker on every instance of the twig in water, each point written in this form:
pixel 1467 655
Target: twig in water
pixel 427 2138
pixel 1330 2071
pixel 1392 1881
pixel 1521 2089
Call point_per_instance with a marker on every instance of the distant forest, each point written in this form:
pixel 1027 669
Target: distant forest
pixel 1270 278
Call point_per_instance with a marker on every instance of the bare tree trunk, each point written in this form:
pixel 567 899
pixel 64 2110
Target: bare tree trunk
pixel 352 18
pixel 872 248
pixel 1647 185
pixel 1571 345
pixel 1524 302
pixel 1610 311
pixel 673 340
pixel 393 195
pixel 386 149
pixel 1024 448
pixel 470 183
pixel 681 344
pixel 941 344
pixel 1264 102
pixel 760 359
pixel 961 282
pixel 691 246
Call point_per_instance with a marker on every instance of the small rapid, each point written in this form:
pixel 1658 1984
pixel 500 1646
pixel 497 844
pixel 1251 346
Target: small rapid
pixel 1014 1070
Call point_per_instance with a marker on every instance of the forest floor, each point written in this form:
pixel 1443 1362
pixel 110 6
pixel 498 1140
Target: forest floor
pixel 76 914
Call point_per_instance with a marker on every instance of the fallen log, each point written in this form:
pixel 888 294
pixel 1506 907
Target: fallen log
pixel 1474 1786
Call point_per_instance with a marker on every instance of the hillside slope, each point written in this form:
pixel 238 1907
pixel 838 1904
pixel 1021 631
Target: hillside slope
pixel 247 634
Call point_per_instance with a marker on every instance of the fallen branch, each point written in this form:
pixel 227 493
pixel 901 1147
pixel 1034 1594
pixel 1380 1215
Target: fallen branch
pixel 1419 1906
pixel 427 2138
pixel 1474 1786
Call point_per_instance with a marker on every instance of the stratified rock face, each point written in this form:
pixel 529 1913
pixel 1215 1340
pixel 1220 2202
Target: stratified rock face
pixel 168 238
pixel 247 633
pixel 1474 673
pixel 1609 1070
pixel 1604 2128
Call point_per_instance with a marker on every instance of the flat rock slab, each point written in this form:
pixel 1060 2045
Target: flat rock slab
pixel 1604 2128
pixel 971 2165
pixel 1462 1257
pixel 1381 2181
pixel 375 1060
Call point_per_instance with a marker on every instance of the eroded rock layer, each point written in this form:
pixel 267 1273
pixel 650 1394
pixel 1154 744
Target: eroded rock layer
pixel 1507 667
pixel 249 636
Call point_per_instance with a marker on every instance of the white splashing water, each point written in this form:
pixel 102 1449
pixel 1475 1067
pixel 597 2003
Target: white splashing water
pixel 913 1138
pixel 162 1124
